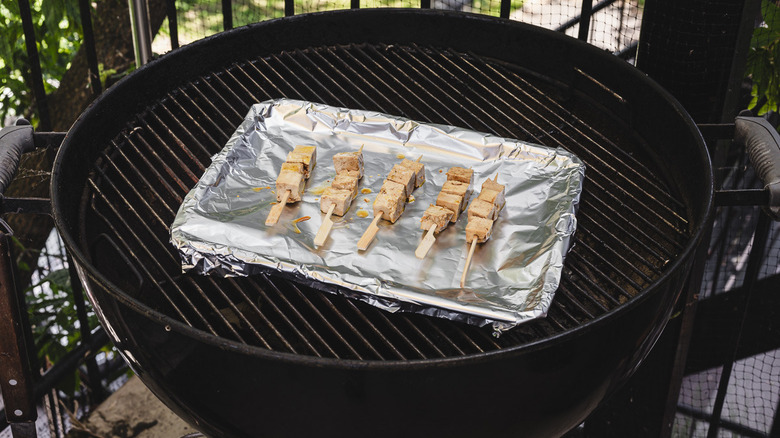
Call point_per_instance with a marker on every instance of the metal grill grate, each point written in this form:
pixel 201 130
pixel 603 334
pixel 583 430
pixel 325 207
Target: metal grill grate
pixel 629 224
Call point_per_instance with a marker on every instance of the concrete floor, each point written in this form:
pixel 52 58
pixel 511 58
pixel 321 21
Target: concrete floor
pixel 132 412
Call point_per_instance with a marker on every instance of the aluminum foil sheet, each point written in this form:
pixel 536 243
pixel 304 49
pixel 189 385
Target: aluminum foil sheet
pixel 220 228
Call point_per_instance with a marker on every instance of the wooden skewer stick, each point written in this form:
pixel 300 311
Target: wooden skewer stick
pixel 468 262
pixel 426 243
pixel 370 233
pixel 418 159
pixel 276 210
pixel 327 224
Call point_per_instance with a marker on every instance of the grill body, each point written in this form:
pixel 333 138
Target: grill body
pixel 299 363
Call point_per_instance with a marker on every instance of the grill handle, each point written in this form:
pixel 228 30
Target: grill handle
pixel 14 141
pixel 762 143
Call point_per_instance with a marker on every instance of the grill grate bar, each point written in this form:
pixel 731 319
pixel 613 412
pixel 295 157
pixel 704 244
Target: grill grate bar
pixel 304 323
pixel 635 217
pixel 291 73
pixel 194 138
pixel 205 101
pixel 259 91
pixel 363 74
pixel 324 321
pixel 166 147
pixel 398 83
pixel 452 344
pixel 171 257
pixel 607 214
pixel 128 251
pixel 142 176
pixel 568 297
pixel 602 298
pixel 312 78
pixel 155 170
pixel 515 82
pixel 618 255
pixel 196 166
pixel 293 91
pixel 623 246
pixel 456 94
pixel 218 96
pixel 218 127
pixel 231 90
pixel 582 150
pixel 663 205
pixel 266 320
pixel 143 158
pixel 336 71
pixel 355 309
pixel 164 225
pixel 421 78
pixel 597 255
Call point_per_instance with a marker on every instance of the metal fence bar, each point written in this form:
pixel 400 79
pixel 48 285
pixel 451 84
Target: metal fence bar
pixel 227 14
pixel 89 46
pixel 36 75
pixel 505 8
pixel 585 13
pixel 289 8
pixel 760 238
pixel 173 24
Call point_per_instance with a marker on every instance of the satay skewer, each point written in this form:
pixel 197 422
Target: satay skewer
pixel 395 193
pixel 291 180
pixel 452 199
pixel 468 262
pixel 276 210
pixel 369 234
pixel 426 243
pixel 482 213
pixel 327 224
pixel 337 198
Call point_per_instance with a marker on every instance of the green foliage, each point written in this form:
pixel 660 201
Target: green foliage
pixel 763 64
pixel 58 33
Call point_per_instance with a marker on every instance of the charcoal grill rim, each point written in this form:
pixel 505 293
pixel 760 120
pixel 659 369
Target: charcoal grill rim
pixel 83 122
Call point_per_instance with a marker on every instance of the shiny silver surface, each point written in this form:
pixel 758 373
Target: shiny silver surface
pixel 220 230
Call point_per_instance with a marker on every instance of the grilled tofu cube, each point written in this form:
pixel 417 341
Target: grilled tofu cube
pixel 436 215
pixel 492 185
pixel 402 175
pixel 450 202
pixel 418 169
pixel 292 181
pixel 478 228
pixel 390 201
pixel 394 188
pixel 349 161
pixel 340 198
pixel 306 155
pixel 460 174
pixel 494 197
pixel 346 182
pixel 353 173
pixel 293 167
pixel 458 188
pixel 483 209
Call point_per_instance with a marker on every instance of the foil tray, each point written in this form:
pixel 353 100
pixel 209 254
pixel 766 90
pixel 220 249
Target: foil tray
pixel 220 227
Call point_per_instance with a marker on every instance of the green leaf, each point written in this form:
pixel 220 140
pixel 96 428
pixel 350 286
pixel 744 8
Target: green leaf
pixel 771 14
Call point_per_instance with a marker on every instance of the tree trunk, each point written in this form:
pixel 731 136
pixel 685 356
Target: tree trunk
pixel 114 46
